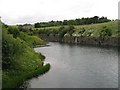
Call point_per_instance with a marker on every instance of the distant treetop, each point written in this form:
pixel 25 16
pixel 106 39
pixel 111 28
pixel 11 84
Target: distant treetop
pixel 78 21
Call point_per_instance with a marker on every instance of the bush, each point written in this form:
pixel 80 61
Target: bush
pixel 42 70
pixel 32 41
pixel 62 31
pixel 14 31
pixel 70 30
pixel 11 47
pixel 42 57
pixel 105 32
pixel 19 60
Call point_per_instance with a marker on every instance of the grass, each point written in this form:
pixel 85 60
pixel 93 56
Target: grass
pixel 29 64
pixel 92 30
pixel 31 40
pixel 95 28
pixel 14 79
pixel 19 60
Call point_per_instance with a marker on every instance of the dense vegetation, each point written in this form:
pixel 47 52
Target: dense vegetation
pixel 19 60
pixel 108 29
pixel 82 21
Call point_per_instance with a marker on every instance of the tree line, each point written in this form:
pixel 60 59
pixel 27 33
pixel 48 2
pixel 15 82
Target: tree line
pixel 79 21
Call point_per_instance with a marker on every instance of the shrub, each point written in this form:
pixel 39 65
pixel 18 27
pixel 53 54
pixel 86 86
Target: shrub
pixel 14 31
pixel 105 32
pixel 62 31
pixel 70 30
pixel 19 60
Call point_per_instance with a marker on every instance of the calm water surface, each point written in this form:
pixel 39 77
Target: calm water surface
pixel 76 66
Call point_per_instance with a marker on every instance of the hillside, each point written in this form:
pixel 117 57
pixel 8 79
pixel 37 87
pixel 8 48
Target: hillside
pixel 94 34
pixel 93 30
pixel 19 60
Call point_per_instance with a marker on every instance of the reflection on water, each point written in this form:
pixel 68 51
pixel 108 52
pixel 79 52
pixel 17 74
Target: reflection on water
pixel 76 66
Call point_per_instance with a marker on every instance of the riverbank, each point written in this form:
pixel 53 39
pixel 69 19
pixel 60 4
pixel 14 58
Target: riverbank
pixel 19 60
pixel 105 34
pixel 106 41
pixel 14 80
pixel 78 66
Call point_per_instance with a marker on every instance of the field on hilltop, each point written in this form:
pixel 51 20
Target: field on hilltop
pixel 93 30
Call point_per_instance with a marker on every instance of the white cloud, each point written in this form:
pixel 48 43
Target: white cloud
pixel 30 11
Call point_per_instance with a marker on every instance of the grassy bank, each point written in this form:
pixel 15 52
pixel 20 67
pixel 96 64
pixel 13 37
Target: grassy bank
pixel 13 79
pixel 109 29
pixel 106 34
pixel 19 60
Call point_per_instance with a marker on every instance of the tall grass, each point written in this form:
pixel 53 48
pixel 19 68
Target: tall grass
pixel 14 80
pixel 92 30
pixel 19 60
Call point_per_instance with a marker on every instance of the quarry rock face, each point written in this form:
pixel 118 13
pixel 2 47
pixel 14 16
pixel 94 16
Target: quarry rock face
pixel 107 41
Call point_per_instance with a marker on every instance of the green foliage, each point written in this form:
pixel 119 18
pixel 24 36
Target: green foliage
pixel 42 70
pixel 105 32
pixel 31 40
pixel 92 30
pixel 14 31
pixel 62 31
pixel 81 32
pixel 70 30
pixel 11 47
pixel 44 31
pixel 54 32
pixel 82 21
pixel 13 79
pixel 42 56
pixel 19 60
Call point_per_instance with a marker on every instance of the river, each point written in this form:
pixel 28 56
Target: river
pixel 77 66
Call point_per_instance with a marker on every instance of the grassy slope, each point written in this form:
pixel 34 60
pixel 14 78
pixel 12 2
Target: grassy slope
pixel 31 40
pixel 27 63
pixel 93 28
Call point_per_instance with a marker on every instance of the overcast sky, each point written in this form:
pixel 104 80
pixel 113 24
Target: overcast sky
pixel 31 11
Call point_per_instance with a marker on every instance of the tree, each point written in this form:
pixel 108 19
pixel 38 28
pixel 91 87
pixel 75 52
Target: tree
pixel 71 29
pixel 62 31
pixel 105 32
pixel 65 22
pixel 37 25
pixel 11 47
pixel 95 19
pixel 82 21
pixel 14 31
